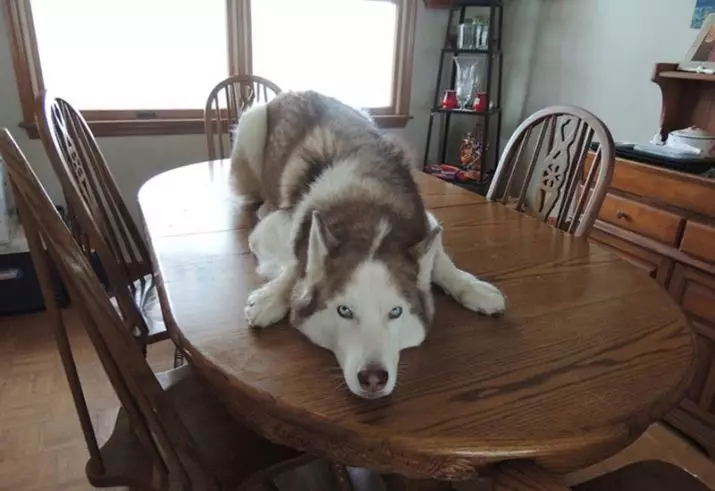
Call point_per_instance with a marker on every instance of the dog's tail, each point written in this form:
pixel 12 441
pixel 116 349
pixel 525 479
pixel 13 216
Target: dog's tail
pixel 249 140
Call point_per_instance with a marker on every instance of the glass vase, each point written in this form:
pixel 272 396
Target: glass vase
pixel 468 68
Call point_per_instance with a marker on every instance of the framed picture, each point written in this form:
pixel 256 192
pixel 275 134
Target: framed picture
pixel 701 55
pixel 702 9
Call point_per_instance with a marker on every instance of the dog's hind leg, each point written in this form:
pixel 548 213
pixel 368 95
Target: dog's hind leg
pixel 464 287
pixel 244 182
pixel 270 242
pixel 247 154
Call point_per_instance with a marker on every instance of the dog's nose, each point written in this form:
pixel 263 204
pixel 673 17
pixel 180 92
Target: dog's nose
pixel 373 378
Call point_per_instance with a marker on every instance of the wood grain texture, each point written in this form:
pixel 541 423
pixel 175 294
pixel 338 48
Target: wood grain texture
pixel 542 176
pixel 687 99
pixel 656 265
pixel 686 266
pixel 589 353
pixel 644 219
pixel 695 291
pixel 699 240
pixel 187 437
pixel 99 218
pixel 42 447
pixel 686 191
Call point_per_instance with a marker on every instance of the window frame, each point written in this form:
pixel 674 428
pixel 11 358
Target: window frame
pixel 142 122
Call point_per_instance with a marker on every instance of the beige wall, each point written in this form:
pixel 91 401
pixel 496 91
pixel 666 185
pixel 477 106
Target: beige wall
pixel 135 159
pixel 599 54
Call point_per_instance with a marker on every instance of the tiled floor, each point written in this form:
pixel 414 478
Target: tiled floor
pixel 41 445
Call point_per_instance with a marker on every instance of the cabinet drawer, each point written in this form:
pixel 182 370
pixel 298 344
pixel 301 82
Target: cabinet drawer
pixel 656 266
pixel 687 191
pixel 641 218
pixel 699 241
pixel 695 292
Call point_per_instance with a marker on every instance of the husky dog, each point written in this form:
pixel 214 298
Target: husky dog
pixel 347 247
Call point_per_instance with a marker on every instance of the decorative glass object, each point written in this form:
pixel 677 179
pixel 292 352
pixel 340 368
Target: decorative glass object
pixel 473 34
pixel 481 33
pixel 467 36
pixel 468 68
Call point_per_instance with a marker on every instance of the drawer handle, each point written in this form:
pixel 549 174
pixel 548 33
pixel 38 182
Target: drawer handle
pixel 621 214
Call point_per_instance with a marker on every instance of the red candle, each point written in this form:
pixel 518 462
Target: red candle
pixel 480 102
pixel 449 101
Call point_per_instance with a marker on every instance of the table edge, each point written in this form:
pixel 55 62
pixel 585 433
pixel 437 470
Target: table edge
pixel 458 458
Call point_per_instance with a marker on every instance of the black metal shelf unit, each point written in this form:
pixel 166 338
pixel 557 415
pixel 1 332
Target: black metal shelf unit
pixel 492 117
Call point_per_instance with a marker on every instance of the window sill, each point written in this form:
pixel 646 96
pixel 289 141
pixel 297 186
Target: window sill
pixel 156 127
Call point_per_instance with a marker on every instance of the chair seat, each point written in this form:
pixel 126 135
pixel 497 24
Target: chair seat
pixel 650 475
pixel 125 462
pixel 233 451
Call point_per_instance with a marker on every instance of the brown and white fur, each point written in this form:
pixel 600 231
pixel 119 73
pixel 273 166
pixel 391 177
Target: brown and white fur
pixel 349 250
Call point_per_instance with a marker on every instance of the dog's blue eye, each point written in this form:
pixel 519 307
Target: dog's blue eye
pixel 395 312
pixel 345 312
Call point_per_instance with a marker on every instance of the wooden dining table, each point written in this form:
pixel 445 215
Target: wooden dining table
pixel 589 353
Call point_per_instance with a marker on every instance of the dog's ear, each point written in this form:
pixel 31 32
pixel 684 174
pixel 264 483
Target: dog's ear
pixel 424 253
pixel 320 241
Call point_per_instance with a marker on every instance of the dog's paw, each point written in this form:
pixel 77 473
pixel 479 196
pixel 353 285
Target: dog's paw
pixel 265 307
pixel 480 296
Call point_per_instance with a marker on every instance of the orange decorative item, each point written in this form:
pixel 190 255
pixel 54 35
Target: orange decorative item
pixel 449 101
pixel 470 151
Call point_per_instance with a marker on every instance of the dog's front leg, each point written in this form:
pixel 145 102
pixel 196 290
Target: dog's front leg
pixel 270 303
pixel 464 287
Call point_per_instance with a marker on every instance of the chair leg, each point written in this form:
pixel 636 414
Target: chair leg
pixel 341 476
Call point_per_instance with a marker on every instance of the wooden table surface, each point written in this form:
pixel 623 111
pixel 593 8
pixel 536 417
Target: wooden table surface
pixel 590 351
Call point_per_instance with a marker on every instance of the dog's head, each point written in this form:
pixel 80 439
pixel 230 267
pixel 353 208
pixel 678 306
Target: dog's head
pixel 364 307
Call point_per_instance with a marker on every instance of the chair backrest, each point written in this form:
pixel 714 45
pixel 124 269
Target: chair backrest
pixel 225 104
pixel 99 218
pixel 153 417
pixel 544 175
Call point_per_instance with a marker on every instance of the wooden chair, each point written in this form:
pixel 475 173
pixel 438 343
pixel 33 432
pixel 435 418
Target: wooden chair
pixel 650 475
pixel 237 93
pixel 169 433
pixel 100 220
pixel 545 176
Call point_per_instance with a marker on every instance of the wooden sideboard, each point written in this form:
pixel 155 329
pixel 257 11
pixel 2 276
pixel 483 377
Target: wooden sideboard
pixel 663 221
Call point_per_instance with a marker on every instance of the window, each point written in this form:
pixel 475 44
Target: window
pixel 137 67
pixel 355 57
